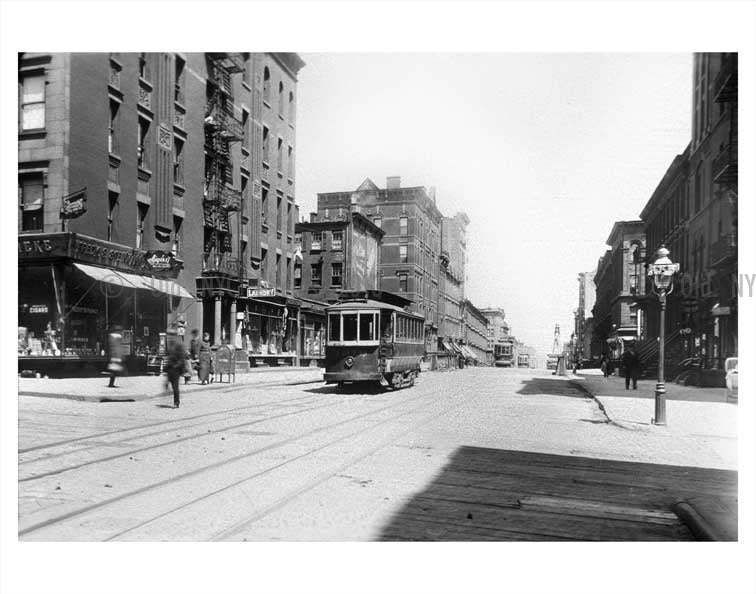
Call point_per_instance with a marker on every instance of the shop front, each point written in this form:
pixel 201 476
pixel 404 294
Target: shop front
pixel 312 338
pixel 268 327
pixel 74 289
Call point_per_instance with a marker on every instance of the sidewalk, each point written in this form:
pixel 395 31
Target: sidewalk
pixel 145 387
pixel 701 431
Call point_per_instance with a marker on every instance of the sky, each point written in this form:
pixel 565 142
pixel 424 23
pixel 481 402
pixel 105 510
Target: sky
pixel 542 151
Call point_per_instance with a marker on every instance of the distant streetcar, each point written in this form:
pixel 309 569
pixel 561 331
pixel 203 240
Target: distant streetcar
pixel 504 354
pixel 372 338
pixel 523 360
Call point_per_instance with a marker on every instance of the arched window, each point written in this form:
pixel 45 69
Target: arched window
pixel 291 107
pixel 266 85
pixel 280 99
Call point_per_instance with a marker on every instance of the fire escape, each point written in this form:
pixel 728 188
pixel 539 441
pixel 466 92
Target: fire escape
pixel 220 197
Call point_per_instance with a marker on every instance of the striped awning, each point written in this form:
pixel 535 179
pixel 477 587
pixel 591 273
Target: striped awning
pixel 134 281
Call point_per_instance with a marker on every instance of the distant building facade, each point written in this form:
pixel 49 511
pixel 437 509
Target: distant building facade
pixel 619 279
pixel 411 244
pixel 475 332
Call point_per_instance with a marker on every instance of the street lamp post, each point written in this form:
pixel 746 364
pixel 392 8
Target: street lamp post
pixel 662 271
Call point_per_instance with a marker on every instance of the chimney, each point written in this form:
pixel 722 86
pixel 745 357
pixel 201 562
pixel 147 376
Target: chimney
pixel 394 182
pixel 432 193
pixel 313 217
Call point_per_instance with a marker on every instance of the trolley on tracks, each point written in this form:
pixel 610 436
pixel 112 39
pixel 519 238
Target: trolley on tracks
pixel 373 338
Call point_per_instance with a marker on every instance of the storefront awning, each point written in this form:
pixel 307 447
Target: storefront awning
pixel 134 281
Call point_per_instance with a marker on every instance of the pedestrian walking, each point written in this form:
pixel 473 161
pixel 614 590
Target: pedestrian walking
pixel 605 365
pixel 206 370
pixel 175 364
pixel 631 363
pixel 115 354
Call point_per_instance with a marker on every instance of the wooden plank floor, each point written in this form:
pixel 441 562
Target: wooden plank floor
pixel 488 494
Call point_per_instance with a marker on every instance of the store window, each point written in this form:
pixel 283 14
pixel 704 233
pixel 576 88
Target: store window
pixel 33 102
pixel 31 189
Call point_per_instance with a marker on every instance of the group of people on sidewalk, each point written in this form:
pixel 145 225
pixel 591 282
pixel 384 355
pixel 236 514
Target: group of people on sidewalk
pixel 178 362
pixel 631 366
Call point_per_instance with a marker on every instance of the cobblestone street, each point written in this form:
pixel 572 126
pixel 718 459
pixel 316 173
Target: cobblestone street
pixel 477 454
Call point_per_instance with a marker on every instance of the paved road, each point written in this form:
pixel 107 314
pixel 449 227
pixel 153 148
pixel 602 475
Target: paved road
pixel 477 454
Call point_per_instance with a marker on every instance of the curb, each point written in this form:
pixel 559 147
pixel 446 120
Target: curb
pixel 701 528
pixel 143 397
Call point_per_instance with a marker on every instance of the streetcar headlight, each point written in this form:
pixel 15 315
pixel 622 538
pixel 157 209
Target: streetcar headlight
pixel 348 362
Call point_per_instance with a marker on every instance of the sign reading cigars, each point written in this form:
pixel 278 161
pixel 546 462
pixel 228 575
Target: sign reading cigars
pixel 80 248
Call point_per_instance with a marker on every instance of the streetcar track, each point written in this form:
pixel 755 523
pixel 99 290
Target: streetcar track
pixel 100 504
pixel 261 473
pixel 142 436
pixel 170 442
pixel 324 476
pixel 147 426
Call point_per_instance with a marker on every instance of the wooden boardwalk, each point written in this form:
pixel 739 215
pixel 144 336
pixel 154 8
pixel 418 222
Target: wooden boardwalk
pixel 497 495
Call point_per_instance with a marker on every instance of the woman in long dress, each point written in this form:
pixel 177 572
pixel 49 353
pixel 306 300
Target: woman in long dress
pixel 205 359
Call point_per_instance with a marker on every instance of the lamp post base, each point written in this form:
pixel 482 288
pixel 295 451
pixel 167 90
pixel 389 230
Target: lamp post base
pixel 660 405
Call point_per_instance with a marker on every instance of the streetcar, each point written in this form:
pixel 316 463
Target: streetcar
pixel 504 354
pixel 523 360
pixel 373 338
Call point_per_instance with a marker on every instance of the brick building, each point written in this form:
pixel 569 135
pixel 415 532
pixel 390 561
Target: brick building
pixel 159 166
pixel 411 244
pixel 497 331
pixel 620 276
pixel 475 338
pixel 451 288
pixel 583 329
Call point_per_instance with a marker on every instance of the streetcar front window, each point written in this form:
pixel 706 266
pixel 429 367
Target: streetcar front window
pixel 367 327
pixel 334 327
pixel 350 327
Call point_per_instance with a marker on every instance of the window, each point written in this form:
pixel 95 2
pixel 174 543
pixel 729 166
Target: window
pixel 280 154
pixel 178 95
pixel 31 189
pixel 245 129
pixel 289 219
pixel 266 86
pixel 279 214
pixel 402 225
pixel 144 128
pixel 349 328
pixel 141 217
pixel 33 102
pixel 337 240
pixel 278 271
pixel 264 207
pixel 403 254
pixel 336 274
pixel 334 327
pixel 266 144
pixel 178 161
pixel 112 127
pixel 143 71
pixel 317 241
pixel 403 284
pixel 263 264
pixel 176 247
pixel 112 203
pixel 291 107
pixel 297 275
pixel 280 99
pixel 245 72
pixel 316 274
pixel 290 162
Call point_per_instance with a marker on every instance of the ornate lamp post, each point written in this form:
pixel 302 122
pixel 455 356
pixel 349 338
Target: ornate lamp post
pixel 662 271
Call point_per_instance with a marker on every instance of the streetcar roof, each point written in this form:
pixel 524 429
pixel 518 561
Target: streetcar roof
pixel 368 304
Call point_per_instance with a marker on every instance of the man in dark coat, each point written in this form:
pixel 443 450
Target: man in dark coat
pixel 174 365
pixel 631 363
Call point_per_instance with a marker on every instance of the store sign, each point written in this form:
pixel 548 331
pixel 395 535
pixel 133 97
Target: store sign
pixel 720 311
pixel 253 293
pixel 74 205
pixel 160 261
pixel 94 251
pixel 38 309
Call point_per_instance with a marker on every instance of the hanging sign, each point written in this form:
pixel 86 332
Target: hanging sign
pixel 74 205
pixel 160 260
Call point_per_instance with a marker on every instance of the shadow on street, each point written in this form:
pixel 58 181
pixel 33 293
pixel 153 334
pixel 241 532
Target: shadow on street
pixel 551 387
pixel 504 495
pixel 368 388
